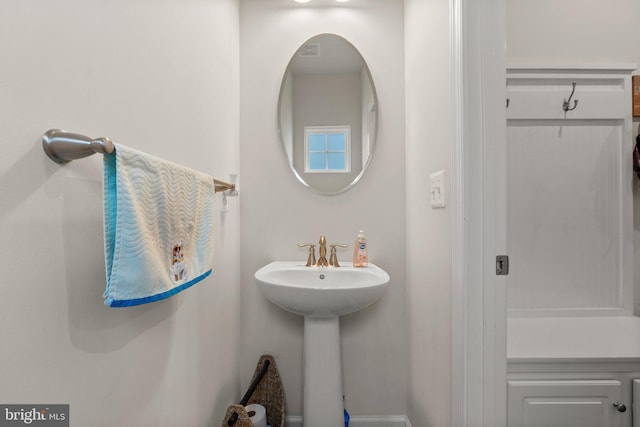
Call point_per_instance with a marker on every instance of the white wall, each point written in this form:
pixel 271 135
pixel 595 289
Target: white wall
pixel 278 212
pixel 429 149
pixel 158 76
pixel 572 32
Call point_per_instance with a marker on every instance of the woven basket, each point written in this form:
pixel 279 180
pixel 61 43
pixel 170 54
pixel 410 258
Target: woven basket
pixel 269 393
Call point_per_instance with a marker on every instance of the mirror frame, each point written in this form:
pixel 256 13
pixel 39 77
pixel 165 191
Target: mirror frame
pixel 374 139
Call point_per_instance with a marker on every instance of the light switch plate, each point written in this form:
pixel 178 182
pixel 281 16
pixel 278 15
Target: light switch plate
pixel 437 191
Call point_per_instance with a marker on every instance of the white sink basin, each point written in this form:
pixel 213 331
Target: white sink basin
pixel 321 291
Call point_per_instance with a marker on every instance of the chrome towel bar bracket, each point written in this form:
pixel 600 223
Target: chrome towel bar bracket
pixel 62 147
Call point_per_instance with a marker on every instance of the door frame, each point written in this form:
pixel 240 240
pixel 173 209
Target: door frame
pixel 478 38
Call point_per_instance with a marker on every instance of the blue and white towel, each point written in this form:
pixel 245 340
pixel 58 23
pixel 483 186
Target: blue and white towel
pixel 158 227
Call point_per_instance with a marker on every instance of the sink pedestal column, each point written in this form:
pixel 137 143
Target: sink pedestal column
pixel 323 405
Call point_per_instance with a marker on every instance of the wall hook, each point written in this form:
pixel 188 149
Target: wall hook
pixel 567 102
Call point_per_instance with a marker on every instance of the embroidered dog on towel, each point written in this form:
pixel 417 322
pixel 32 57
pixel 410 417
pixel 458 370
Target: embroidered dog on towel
pixel 178 268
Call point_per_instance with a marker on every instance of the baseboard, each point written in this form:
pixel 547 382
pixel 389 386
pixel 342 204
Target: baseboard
pixel 364 421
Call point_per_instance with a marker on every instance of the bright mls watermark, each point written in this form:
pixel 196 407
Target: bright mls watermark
pixel 34 415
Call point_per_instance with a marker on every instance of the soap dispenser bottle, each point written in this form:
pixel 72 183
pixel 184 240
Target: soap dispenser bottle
pixel 360 257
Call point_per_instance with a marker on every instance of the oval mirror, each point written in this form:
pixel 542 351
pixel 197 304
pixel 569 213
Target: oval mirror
pixel 327 114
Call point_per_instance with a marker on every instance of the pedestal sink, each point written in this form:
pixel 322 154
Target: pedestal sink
pixel 321 295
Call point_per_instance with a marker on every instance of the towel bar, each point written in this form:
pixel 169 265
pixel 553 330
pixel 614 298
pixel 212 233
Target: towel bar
pixel 62 147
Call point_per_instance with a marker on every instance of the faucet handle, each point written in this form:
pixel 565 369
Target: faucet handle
pixel 333 259
pixel 312 253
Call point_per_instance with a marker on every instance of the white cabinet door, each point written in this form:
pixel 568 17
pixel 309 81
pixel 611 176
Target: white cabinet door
pixel 565 403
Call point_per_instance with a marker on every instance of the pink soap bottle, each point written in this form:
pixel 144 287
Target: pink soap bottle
pixel 360 257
